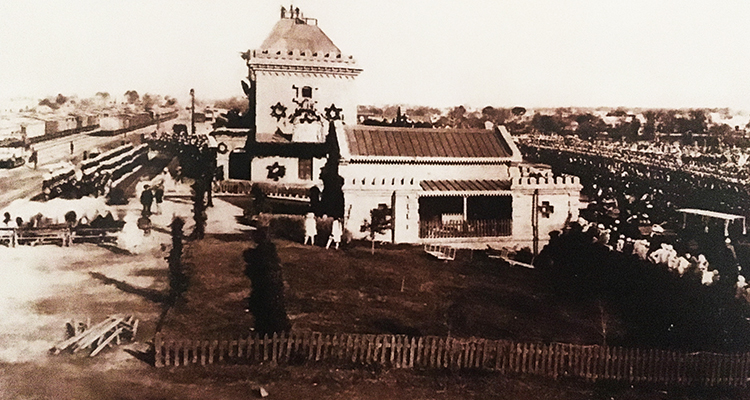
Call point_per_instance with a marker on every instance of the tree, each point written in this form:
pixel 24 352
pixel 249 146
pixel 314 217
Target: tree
pixel 546 123
pixel 497 116
pixel 456 116
pixel 150 100
pixel 178 280
pixel 238 104
pixel 199 207
pixel 132 96
pixel 60 99
pixel 518 111
pixel 381 219
pixel 332 197
pixel 266 301
pixel 649 129
pixel 49 103
pixel 169 101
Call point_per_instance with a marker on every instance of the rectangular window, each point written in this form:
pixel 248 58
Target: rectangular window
pixel 305 169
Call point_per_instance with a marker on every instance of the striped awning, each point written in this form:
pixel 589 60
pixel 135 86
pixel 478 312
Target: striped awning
pixel 453 185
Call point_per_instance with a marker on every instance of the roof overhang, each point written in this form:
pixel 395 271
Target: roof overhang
pixel 456 187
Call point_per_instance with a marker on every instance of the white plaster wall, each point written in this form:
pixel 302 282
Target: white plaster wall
pixel 232 143
pixel 357 206
pixel 259 172
pixel 422 172
pixel 273 87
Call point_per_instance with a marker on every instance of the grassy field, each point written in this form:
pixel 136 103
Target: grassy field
pixel 399 289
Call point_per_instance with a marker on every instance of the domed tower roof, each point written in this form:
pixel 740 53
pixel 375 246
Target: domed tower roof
pixel 291 34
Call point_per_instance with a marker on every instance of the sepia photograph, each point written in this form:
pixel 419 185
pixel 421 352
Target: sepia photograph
pixel 374 200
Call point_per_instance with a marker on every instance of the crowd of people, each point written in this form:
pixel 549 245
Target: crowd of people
pixel 660 251
pixel 728 164
pixel 633 193
pixel 99 220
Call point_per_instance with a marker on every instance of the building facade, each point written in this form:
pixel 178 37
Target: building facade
pixel 466 188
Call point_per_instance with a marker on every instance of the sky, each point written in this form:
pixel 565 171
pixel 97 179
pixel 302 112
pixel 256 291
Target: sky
pixel 504 53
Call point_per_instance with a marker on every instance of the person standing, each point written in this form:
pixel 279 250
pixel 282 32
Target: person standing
pixel 34 157
pixel 158 197
pixel 147 197
pixel 336 233
pixel 311 229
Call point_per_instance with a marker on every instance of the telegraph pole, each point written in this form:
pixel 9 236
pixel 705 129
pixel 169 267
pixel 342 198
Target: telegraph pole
pixel 192 111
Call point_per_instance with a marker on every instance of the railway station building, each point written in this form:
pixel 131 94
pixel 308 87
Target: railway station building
pixel 464 188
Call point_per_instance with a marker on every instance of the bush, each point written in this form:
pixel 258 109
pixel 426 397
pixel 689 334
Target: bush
pixel 290 227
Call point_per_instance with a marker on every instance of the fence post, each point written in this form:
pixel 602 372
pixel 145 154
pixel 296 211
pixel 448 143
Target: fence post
pixel 274 345
pixel 186 345
pixel 158 343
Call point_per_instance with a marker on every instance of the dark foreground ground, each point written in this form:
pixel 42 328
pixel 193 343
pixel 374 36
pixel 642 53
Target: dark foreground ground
pixel 398 290
pixel 83 380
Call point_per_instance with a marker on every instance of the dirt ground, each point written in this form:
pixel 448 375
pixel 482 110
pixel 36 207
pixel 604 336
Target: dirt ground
pixel 399 290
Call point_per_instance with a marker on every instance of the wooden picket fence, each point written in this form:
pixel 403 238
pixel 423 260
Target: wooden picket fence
pixel 553 360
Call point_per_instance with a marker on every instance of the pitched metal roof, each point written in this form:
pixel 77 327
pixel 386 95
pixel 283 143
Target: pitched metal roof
pixel 426 143
pixel 294 34
pixel 453 185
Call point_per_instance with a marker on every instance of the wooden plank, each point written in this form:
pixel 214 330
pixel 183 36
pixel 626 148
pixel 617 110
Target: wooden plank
pixel 241 344
pixel 353 348
pixel 557 357
pixel 543 360
pixel 135 330
pixel 651 370
pixel 391 350
pixel 274 348
pixel 432 356
pixel 483 353
pixel 615 370
pixel 186 345
pixel 438 350
pixel 369 353
pixel 377 350
pixel 89 336
pixel 251 339
pixel 499 356
pixel 397 348
pixel 221 349
pixel 349 347
pixel 265 348
pixel 407 352
pixel 610 362
pixel 414 350
pixel 212 351
pixel 204 350
pixel 256 347
pixel 447 352
pixel 528 360
pixel 169 352
pixel 290 340
pixel 309 344
pixel 471 354
pixel 158 343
